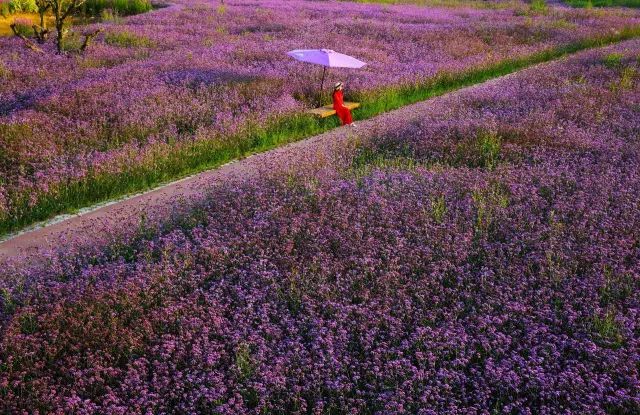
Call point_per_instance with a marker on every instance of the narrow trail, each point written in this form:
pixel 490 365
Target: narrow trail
pixel 65 231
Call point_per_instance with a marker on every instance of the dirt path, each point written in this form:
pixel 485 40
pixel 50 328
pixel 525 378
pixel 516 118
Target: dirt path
pixel 63 233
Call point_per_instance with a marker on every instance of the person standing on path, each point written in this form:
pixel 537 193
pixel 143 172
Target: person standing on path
pixel 342 112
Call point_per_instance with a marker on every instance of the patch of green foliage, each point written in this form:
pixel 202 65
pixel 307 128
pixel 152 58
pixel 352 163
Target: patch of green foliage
pixel 23 27
pixel 483 151
pixel 613 60
pixel 244 361
pixel 538 6
pixel 489 201
pixel 368 159
pixel 5 73
pixel 107 15
pixel 4 9
pixel 28 323
pixel 23 6
pixel 126 39
pixel 628 74
pixel 438 209
pixel 607 330
pixel 7 302
pixel 72 43
pixel 119 7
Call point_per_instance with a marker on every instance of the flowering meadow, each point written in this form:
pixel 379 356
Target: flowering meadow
pixel 175 90
pixel 478 253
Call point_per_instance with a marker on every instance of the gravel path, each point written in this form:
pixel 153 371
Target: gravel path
pixel 86 227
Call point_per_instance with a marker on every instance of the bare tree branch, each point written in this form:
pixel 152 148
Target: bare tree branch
pixel 29 44
pixel 88 38
pixel 72 8
pixel 41 33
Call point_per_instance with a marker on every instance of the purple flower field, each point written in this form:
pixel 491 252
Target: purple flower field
pixel 200 71
pixel 481 256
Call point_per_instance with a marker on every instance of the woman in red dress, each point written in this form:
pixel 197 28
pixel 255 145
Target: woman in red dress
pixel 342 112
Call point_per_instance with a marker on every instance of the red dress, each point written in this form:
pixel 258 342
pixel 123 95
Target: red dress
pixel 342 112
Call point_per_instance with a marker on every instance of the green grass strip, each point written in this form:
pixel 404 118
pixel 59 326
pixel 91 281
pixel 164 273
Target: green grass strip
pixel 603 3
pixel 198 156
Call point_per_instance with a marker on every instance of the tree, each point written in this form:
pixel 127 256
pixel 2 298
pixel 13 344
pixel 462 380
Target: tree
pixel 41 32
pixel 62 9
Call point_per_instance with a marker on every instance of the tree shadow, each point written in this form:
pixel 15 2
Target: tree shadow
pixel 20 101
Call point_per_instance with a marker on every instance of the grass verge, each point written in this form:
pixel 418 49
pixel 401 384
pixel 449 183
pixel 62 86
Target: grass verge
pixel 603 3
pixel 197 156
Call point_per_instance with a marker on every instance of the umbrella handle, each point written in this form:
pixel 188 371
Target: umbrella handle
pixel 324 72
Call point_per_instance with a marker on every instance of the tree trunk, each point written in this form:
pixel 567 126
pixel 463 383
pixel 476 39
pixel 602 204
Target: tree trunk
pixel 41 32
pixel 60 37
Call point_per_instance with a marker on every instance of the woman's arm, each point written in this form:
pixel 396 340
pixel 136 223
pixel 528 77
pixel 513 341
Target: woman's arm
pixel 338 98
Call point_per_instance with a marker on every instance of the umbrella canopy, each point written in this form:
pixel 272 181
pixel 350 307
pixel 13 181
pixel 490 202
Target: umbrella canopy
pixel 326 57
